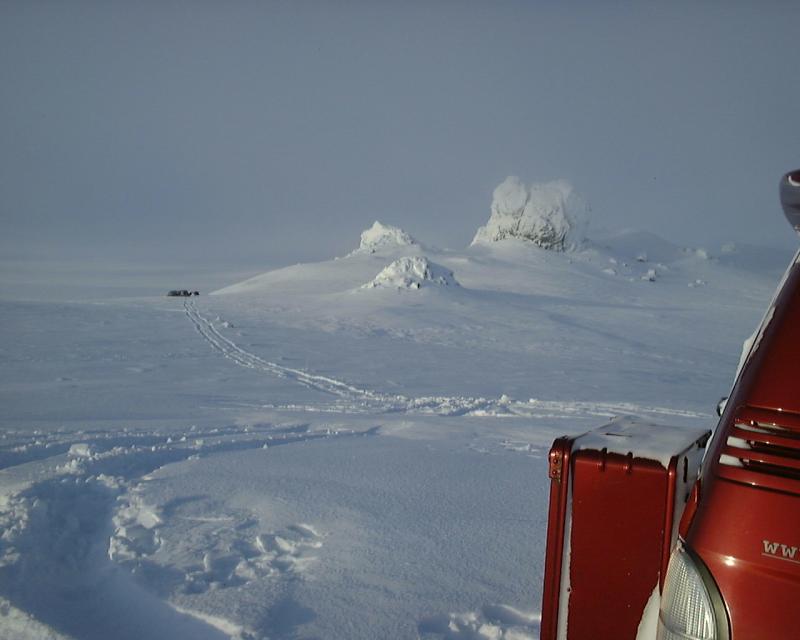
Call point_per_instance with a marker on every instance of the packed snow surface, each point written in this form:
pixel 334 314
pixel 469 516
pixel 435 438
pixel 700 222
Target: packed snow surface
pixel 549 214
pixel 298 458
pixel 412 273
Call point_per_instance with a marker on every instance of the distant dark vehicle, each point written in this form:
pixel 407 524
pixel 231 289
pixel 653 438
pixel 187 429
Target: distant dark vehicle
pixel 182 293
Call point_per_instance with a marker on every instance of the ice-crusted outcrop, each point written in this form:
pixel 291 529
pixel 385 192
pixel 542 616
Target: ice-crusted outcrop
pixel 549 214
pixel 412 273
pixel 383 236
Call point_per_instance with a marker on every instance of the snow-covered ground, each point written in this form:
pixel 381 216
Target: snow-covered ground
pixel 303 456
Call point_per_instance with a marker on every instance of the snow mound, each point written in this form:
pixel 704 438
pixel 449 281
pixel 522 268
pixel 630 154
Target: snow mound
pixel 549 214
pixel 412 273
pixel 383 236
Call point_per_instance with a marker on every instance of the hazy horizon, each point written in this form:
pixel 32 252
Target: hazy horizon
pixel 266 134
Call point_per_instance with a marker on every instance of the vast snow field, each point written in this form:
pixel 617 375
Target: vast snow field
pixel 343 450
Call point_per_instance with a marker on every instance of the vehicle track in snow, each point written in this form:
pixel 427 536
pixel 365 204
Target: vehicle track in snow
pixel 232 351
pixel 355 399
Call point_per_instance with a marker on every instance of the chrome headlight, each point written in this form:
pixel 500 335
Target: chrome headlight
pixel 691 606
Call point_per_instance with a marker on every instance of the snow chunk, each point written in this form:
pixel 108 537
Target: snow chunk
pixel 383 236
pixel 700 253
pixel 549 214
pixel 412 273
pixel 81 450
pixel 650 276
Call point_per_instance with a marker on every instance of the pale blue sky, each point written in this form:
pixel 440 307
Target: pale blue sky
pixel 273 132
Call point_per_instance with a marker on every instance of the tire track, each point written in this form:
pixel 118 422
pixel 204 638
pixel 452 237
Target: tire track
pixel 234 352
pixel 355 399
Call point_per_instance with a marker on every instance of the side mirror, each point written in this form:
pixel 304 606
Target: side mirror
pixel 790 198
pixel 721 405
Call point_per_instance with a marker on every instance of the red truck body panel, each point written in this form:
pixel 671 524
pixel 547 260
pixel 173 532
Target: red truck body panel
pixel 746 528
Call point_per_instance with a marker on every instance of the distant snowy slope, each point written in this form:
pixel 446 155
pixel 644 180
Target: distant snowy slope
pixel 521 313
pixel 380 244
pixel 614 264
pixel 314 278
pixel 639 246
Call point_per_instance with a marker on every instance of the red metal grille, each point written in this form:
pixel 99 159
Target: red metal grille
pixel 763 450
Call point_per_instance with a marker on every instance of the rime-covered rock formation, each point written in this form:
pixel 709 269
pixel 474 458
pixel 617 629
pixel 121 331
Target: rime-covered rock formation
pixel 549 214
pixel 412 273
pixel 382 236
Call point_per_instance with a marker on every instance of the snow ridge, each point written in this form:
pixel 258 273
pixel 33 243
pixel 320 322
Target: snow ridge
pixel 412 273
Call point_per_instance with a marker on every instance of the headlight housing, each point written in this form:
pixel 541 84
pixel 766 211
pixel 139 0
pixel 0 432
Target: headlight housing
pixel 691 605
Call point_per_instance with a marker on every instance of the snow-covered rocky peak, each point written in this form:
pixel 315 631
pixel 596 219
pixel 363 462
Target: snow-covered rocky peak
pixel 412 273
pixel 549 214
pixel 382 236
